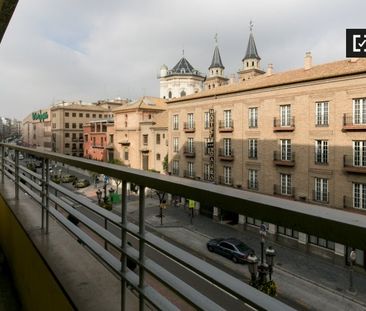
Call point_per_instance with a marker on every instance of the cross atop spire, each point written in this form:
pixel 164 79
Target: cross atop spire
pixel 215 37
pixel 251 26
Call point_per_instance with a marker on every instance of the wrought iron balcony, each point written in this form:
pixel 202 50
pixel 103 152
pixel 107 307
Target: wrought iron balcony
pixel 226 125
pixel 253 185
pixel 321 197
pixel 352 166
pixel 189 174
pixel 281 159
pixel 280 125
pixel 189 127
pixel 226 154
pixel 226 181
pixel 350 123
pixel 284 191
pixel 189 151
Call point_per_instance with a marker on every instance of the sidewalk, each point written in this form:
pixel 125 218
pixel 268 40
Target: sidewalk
pixel 311 281
pixel 306 281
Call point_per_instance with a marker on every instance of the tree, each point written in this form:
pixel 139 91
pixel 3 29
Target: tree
pixel 116 180
pixel 165 164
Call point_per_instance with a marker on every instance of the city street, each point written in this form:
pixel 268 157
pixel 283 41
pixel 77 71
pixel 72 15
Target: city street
pixel 305 281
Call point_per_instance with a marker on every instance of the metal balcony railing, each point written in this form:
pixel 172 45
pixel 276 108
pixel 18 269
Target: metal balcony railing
pixel 189 127
pixel 287 159
pixel 307 217
pixel 226 125
pixel 227 181
pixel 189 151
pixel 321 197
pixel 352 123
pixel 285 191
pixel 226 154
pixel 189 174
pixel 352 165
pixel 287 124
pixel 253 184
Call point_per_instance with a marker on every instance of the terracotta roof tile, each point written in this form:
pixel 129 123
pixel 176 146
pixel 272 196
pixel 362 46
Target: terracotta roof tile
pixel 329 70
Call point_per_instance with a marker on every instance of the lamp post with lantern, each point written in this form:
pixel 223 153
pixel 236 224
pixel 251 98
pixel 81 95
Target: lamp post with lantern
pixel 352 259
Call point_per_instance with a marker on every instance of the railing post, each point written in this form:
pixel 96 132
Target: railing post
pixel 141 245
pixel 105 227
pixel 2 163
pixel 46 188
pixel 43 191
pixel 124 243
pixel 16 174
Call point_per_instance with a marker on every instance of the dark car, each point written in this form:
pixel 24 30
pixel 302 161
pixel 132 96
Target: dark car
pixel 231 248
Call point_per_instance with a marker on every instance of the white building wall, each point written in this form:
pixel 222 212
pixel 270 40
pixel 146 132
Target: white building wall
pixel 177 84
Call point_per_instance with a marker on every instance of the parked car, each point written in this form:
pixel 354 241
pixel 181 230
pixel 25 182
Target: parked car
pixel 81 183
pixel 231 248
pixel 68 178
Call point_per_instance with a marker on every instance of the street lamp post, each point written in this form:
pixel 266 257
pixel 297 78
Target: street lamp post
pixel 105 199
pixel 352 257
pixel 111 191
pixel 99 195
pixel 270 254
pixel 253 269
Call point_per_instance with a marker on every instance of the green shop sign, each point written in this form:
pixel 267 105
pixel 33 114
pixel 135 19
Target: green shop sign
pixel 39 116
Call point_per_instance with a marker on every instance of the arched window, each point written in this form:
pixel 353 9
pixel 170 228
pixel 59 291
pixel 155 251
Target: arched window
pixel 252 63
pixel 183 93
pixel 217 71
pixel 209 86
pixel 170 94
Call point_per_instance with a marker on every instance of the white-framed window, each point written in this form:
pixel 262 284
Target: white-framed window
pixel 359 111
pixel 286 149
pixel 227 119
pixel 175 167
pixel 175 144
pixel 206 140
pixel 253 179
pixel 227 175
pixel 206 171
pixel 190 169
pixel 359 195
pixel 227 147
pixel 321 189
pixel 286 184
pixel 359 152
pixel 190 120
pixel 253 117
pixel 322 113
pixel 175 122
pixel 190 145
pixel 206 120
pixel 321 151
pixel 285 113
pixel 252 148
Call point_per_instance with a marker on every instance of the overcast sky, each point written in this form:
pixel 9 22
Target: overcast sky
pixel 91 49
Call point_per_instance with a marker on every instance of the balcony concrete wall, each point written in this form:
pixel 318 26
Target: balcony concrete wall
pixel 35 283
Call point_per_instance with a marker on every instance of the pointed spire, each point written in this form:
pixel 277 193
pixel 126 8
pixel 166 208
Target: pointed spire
pixel 216 58
pixel 251 48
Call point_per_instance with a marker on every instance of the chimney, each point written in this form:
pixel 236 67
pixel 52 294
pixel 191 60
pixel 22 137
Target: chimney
pixel 308 61
pixel 269 70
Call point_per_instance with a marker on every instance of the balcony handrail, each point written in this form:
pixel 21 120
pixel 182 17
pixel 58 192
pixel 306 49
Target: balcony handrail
pixel 218 196
pixel 42 194
pixel 277 122
pixel 229 152
pixel 226 124
pixel 277 156
pixel 300 216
